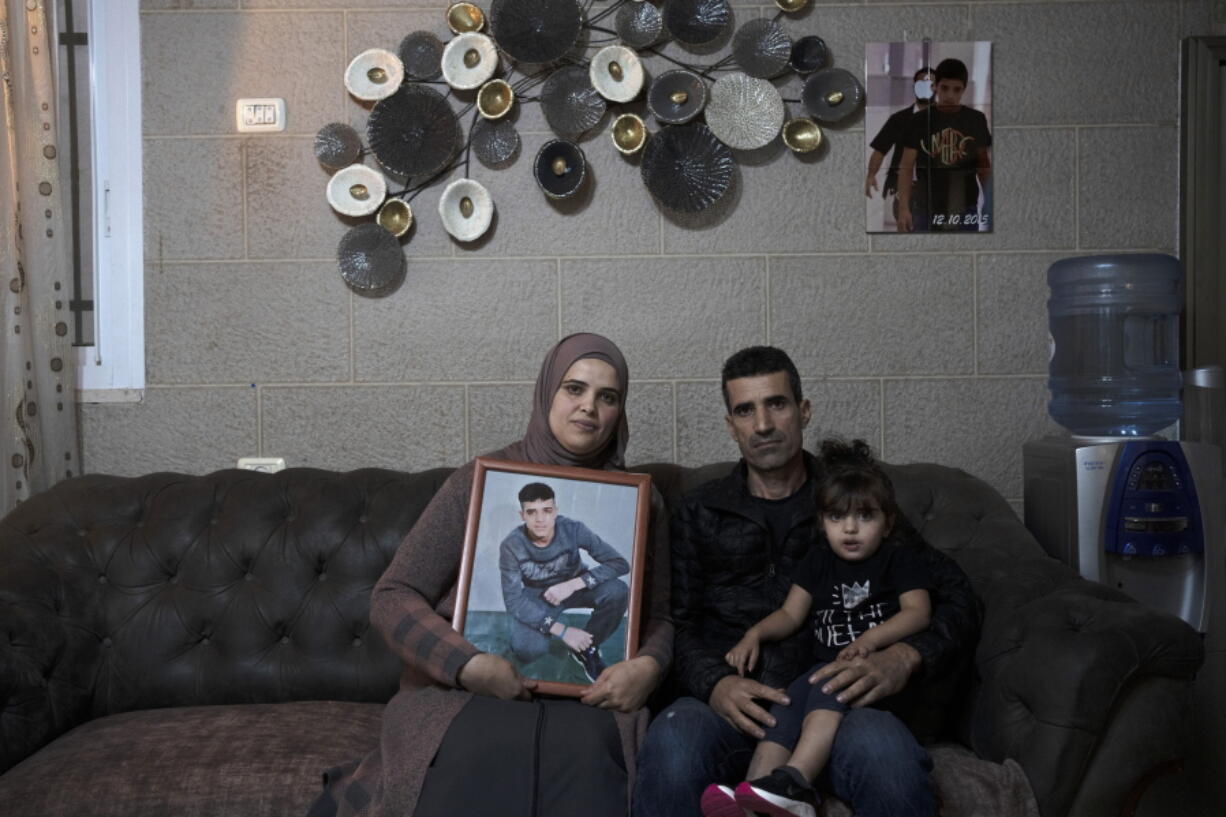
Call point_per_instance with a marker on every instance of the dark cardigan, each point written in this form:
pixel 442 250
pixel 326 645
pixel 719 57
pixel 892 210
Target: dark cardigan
pixel 412 606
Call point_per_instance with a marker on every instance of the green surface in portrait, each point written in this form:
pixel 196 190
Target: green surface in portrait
pixel 487 630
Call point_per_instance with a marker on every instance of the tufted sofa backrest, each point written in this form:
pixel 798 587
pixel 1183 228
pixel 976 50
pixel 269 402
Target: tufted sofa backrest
pixel 169 590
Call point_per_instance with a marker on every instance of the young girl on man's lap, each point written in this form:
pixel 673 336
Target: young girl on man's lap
pixel 860 591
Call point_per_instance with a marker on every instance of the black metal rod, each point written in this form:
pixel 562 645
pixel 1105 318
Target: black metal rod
pixel 72 39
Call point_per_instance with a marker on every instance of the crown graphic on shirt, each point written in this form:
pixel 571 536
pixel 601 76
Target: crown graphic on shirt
pixel 854 594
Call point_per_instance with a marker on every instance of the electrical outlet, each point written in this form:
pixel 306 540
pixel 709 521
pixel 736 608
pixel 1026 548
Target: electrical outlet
pixel 265 465
pixel 260 115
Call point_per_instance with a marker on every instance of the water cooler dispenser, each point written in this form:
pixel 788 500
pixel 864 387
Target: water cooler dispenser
pixel 1111 499
pixel 1138 515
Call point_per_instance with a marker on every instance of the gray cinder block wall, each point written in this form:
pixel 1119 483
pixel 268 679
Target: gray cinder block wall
pixel 931 347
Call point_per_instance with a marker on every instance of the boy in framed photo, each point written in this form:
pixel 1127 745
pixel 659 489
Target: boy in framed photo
pixel 543 575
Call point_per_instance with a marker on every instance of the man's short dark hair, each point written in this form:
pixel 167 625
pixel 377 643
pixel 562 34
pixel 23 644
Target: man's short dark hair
pixel 951 69
pixel 922 72
pixel 759 360
pixel 533 492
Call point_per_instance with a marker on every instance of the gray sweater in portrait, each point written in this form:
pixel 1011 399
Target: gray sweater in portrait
pixel 528 570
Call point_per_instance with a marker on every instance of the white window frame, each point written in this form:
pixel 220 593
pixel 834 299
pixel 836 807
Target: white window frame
pixel 113 369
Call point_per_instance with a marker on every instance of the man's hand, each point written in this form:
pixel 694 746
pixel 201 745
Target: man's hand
pixel 625 685
pixel 496 677
pixel 744 655
pixel 862 681
pixel 561 591
pixel 733 700
pixel 577 639
pixel 905 223
pixel 870 184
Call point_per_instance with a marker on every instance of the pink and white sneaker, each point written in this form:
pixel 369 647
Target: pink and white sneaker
pixel 720 801
pixel 782 793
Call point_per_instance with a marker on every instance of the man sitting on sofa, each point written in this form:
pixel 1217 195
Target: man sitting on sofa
pixel 735 541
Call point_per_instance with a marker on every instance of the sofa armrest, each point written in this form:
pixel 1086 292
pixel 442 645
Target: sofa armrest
pixel 49 655
pixel 1057 657
pixel 42 689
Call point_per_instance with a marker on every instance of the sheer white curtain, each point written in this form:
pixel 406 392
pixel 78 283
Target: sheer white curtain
pixel 38 417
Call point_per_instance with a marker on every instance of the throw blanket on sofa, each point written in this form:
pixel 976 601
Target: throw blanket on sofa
pixel 968 786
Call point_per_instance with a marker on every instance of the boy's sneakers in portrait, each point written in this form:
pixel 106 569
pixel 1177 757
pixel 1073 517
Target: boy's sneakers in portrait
pixel 591 662
pixel 720 801
pixel 782 793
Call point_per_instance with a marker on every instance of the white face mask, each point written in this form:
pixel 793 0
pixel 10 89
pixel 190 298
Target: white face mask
pixel 923 89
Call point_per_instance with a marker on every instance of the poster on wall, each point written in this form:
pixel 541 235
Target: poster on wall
pixel 928 137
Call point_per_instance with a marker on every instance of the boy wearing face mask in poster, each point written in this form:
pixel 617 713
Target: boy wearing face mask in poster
pixel 890 138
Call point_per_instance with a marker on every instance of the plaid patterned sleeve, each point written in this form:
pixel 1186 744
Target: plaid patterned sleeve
pixel 406 604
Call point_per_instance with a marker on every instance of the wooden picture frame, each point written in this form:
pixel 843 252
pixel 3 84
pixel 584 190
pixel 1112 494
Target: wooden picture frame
pixel 512 593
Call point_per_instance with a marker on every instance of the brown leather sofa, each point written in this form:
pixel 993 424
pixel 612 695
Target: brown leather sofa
pixel 200 645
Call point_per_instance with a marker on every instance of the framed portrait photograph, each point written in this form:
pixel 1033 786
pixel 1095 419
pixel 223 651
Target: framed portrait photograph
pixel 928 137
pixel 552 572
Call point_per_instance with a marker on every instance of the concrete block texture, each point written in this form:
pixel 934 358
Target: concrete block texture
pixel 859 315
pixel 651 412
pixel 385 29
pixel 288 215
pixel 1198 17
pixel 459 320
pixel 1034 177
pixel 702 433
pixel 1011 312
pixel 1081 63
pixel 672 317
pixel 977 425
pixel 246 323
pixel 193 199
pixel 196 66
pixel 186 5
pixel 849 409
pixel 1128 187
pixel 406 428
pixel 498 415
pixel 192 430
pixel 344 4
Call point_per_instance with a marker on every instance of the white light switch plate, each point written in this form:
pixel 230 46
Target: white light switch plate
pixel 260 115
pixel 266 465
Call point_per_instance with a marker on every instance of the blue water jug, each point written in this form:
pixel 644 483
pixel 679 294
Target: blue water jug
pixel 1114 322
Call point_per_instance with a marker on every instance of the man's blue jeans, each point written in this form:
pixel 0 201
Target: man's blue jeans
pixel 876 765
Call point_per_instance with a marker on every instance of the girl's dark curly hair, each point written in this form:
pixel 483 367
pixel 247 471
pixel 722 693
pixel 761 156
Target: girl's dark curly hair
pixel 851 480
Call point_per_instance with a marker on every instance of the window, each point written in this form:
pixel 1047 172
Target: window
pixel 100 137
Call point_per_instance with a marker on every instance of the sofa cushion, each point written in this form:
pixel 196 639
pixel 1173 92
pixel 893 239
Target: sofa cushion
pixel 236 760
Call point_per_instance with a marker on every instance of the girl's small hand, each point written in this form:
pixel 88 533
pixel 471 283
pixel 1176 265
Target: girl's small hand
pixel 744 655
pixel 855 649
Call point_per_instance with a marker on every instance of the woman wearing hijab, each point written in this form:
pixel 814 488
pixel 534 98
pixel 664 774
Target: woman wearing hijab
pixel 463 735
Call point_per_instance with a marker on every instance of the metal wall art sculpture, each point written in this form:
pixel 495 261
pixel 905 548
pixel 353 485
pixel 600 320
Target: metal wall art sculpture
pixel 422 129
